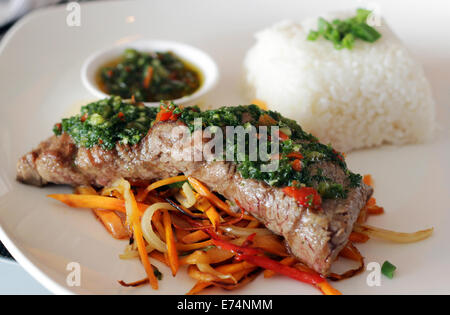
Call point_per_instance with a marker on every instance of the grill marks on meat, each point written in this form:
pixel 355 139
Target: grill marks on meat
pixel 316 238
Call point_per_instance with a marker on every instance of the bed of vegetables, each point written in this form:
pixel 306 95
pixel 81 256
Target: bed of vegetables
pixel 180 222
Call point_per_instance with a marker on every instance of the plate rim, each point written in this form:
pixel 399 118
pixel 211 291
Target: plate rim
pixel 20 257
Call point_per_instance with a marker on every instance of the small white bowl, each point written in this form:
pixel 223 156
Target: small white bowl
pixel 199 59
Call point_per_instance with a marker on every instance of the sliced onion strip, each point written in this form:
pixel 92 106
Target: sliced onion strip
pixel 242 231
pixel 186 196
pixel 190 197
pixel 392 236
pixel 147 229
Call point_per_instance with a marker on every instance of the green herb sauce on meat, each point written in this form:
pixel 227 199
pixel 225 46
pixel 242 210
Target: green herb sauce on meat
pixel 112 120
pixel 298 142
pixel 108 121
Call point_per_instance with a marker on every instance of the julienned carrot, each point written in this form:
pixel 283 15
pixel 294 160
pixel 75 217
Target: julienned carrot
pixel 159 256
pixel 111 221
pixel 157 222
pixel 372 208
pixel 94 202
pixel 205 192
pixel 138 238
pixel 193 246
pixel 194 237
pixel 375 210
pixel 213 216
pixel 235 267
pixel 356 237
pixel 137 232
pixel 160 183
pixel 170 241
pixel 327 289
pixel 180 234
pixel 203 205
pixel 199 287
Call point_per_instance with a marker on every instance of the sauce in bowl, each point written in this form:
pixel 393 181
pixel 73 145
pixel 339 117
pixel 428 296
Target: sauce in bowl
pixel 148 76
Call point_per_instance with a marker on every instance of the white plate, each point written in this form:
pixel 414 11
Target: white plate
pixel 40 60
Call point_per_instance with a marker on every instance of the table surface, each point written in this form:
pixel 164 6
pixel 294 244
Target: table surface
pixel 15 280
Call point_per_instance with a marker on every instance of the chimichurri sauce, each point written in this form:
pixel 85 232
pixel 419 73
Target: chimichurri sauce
pixel 108 121
pixel 297 149
pixel 149 77
pixel 112 120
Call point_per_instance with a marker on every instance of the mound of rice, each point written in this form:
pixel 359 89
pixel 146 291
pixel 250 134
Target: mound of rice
pixel 374 94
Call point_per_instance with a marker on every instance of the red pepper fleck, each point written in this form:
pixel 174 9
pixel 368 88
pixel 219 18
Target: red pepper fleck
pixel 100 141
pixel 305 196
pixel 339 155
pixel 295 155
pixel 296 165
pixel 121 115
pixel 282 136
pixel 166 114
pixel 84 117
pixel 58 126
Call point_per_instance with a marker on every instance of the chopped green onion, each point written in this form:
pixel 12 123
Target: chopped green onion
pixel 388 269
pixel 313 35
pixel 348 41
pixel 344 32
pixel 365 32
pixel 362 15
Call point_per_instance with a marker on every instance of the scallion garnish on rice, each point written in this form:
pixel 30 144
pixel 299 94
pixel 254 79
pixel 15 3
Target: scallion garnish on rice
pixel 344 32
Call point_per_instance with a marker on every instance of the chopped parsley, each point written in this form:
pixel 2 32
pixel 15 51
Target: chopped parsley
pixel 343 33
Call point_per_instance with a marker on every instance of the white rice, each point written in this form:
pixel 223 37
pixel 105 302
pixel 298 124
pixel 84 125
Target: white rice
pixel 373 94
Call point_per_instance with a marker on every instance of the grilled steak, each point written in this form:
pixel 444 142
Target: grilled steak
pixel 314 236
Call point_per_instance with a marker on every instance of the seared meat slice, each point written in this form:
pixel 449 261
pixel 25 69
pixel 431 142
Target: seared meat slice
pixel 315 237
